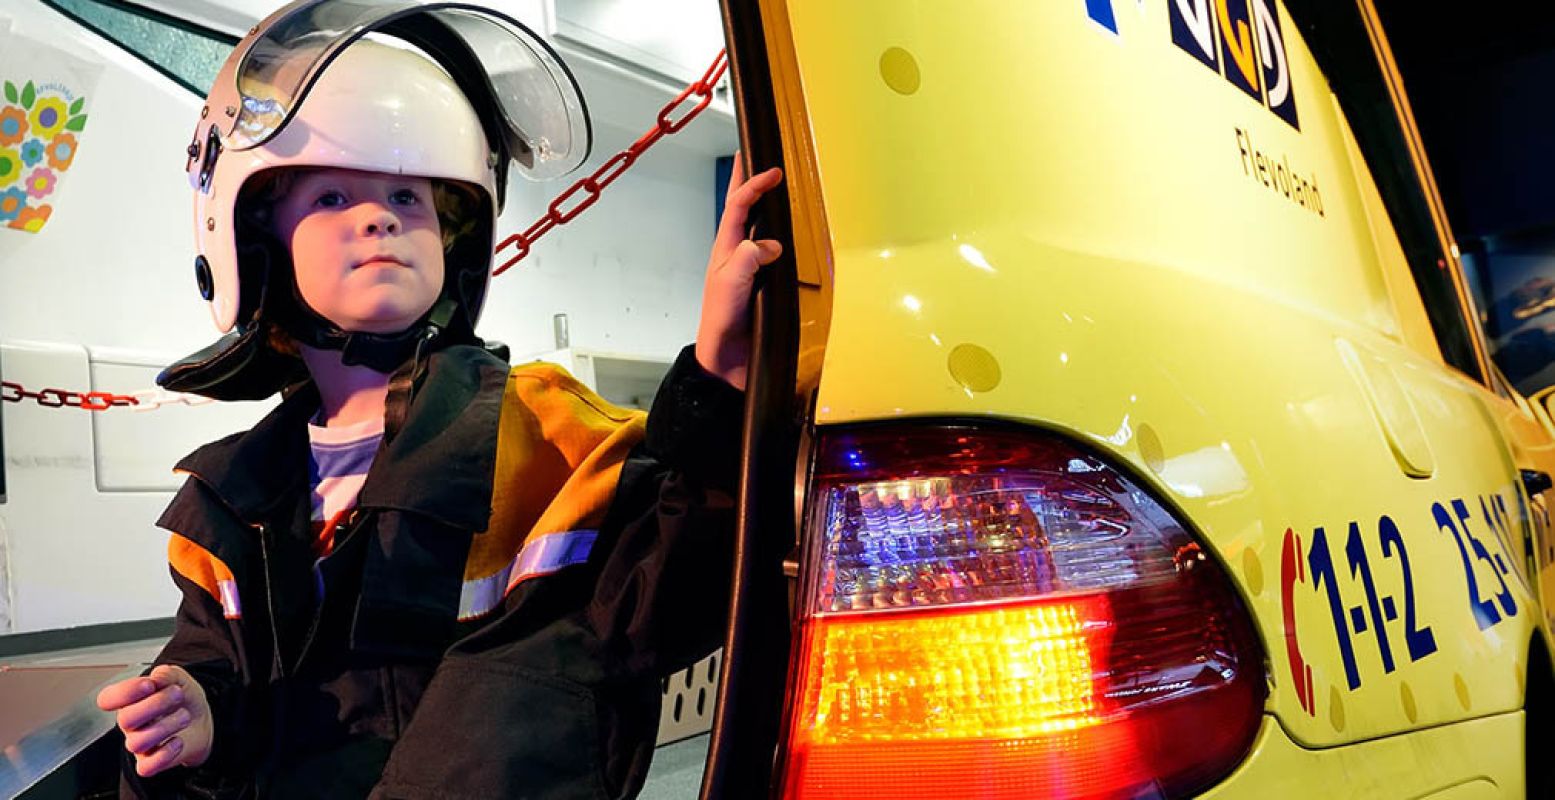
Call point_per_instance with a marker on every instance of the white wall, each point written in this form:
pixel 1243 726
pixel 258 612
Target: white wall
pixel 115 263
pixel 106 292
pixel 628 272
pixel 112 268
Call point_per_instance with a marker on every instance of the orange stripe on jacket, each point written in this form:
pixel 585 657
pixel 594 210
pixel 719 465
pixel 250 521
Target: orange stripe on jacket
pixel 204 569
pixel 559 457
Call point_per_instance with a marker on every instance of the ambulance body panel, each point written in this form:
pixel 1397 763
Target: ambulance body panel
pixel 1480 759
pixel 1152 231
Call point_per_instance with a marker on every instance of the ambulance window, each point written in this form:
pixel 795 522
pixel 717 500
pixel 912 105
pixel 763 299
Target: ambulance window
pixel 189 55
pixel 1516 284
pixel 1337 35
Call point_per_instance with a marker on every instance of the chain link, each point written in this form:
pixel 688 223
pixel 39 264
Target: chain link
pixel 62 398
pixel 559 212
pixel 144 400
pixel 562 210
pixel 153 399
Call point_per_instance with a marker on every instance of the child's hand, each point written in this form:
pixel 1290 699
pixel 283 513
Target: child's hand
pixel 165 718
pixel 723 336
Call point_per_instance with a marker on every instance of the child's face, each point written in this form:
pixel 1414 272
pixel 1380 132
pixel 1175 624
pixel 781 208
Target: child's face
pixel 366 246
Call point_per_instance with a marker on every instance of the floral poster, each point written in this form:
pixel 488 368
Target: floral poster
pixel 43 115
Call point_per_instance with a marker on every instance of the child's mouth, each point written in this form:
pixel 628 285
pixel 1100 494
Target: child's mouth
pixel 383 259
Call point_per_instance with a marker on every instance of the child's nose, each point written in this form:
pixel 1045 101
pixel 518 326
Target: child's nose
pixel 378 220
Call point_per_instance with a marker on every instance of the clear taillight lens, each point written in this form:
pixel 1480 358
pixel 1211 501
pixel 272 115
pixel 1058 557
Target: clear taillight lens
pixel 995 613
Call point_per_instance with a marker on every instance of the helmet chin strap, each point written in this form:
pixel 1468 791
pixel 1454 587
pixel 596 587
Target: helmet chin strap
pixel 406 378
pixel 383 352
pixel 402 356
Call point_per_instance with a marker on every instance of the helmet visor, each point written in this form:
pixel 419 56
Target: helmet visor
pixel 535 104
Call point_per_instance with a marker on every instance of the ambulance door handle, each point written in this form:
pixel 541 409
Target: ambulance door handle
pixel 1536 481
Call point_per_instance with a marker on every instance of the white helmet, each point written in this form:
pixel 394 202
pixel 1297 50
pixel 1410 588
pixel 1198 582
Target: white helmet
pixel 446 91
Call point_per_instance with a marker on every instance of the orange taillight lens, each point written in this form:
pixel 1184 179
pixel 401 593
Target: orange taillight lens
pixel 1013 672
pixel 999 615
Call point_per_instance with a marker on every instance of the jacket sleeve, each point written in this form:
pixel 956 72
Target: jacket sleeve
pixel 207 644
pixel 662 595
pixel 558 698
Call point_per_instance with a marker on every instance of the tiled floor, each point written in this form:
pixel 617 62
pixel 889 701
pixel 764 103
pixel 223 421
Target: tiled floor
pixel 677 770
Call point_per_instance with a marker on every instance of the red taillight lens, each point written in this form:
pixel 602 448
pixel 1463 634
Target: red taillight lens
pixel 997 614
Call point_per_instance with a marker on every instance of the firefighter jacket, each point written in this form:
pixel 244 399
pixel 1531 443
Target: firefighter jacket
pixel 525 563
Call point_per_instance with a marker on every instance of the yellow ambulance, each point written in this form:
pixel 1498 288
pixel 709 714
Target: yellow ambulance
pixel 1149 446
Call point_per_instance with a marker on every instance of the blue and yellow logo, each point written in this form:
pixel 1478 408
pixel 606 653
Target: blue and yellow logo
pixel 1241 40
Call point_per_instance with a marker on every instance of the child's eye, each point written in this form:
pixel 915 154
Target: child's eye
pixel 330 199
pixel 405 197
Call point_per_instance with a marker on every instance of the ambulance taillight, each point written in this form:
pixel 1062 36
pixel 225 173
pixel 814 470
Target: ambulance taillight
pixel 992 613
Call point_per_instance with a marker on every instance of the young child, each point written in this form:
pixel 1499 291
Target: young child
pixel 425 574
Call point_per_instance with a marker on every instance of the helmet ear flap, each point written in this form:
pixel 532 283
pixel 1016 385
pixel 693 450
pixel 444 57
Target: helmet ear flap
pixel 262 257
pixel 269 300
pixel 254 271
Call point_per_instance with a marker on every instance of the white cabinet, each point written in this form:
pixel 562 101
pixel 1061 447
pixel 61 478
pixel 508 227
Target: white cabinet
pixel 77 541
pixel 627 380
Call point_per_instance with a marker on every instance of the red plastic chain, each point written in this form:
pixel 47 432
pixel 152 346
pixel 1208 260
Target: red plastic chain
pixel 61 398
pixel 565 208
pixel 558 213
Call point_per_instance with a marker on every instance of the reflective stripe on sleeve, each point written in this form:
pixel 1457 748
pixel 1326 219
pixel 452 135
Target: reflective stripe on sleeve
pixel 205 570
pixel 541 555
pixel 231 608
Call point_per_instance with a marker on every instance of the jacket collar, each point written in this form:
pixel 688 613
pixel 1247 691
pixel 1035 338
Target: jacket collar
pixel 441 462
pixel 439 465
